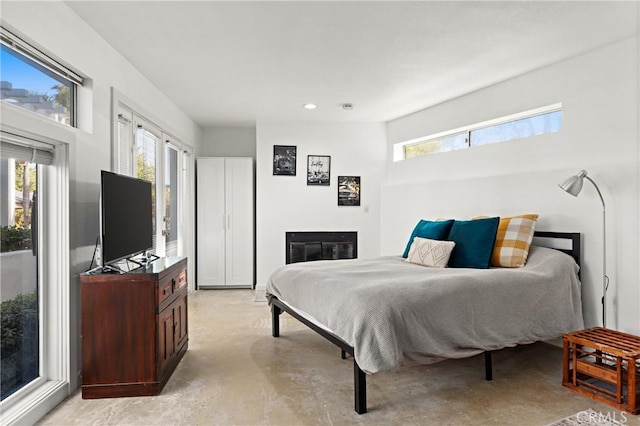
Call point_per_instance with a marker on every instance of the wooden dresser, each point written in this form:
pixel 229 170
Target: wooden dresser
pixel 134 329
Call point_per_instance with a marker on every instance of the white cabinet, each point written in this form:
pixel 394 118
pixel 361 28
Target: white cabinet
pixel 225 222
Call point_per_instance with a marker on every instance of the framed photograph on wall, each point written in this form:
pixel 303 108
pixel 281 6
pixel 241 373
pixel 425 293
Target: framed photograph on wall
pixel 318 169
pixel 348 190
pixel 284 160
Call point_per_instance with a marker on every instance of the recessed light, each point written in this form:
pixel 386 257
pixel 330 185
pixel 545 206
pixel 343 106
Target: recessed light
pixel 347 106
pixel 309 106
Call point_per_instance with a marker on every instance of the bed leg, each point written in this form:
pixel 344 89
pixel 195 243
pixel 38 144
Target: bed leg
pixel 488 368
pixel 275 320
pixel 343 354
pixel 360 388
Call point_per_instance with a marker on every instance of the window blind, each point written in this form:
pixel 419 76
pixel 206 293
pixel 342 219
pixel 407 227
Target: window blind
pixel 36 55
pixel 124 145
pixel 25 149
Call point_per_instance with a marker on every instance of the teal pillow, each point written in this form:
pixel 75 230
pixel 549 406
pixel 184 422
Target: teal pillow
pixel 474 242
pixel 430 230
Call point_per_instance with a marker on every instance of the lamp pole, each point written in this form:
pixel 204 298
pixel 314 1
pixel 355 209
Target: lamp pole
pixel 605 279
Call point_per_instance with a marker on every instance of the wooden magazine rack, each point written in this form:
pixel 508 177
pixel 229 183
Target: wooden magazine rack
pixel 604 365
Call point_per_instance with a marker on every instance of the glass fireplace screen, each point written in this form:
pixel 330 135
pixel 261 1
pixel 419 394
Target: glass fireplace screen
pixel 308 246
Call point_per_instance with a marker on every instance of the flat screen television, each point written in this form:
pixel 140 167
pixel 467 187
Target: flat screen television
pixel 126 217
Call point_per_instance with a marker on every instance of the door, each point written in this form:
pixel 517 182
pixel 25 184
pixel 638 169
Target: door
pixel 239 211
pixel 166 346
pixel 172 200
pixel 180 317
pixel 145 166
pixel 212 221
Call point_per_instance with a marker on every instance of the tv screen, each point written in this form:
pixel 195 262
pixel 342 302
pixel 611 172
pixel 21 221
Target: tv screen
pixel 126 221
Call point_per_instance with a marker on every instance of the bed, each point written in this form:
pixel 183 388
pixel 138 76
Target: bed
pixel 382 311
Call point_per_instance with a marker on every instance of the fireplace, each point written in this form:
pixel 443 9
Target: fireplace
pixel 308 246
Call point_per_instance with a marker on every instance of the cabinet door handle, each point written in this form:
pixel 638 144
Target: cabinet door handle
pixel 228 221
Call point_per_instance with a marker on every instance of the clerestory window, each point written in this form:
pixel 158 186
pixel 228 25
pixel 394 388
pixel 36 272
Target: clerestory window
pixel 522 125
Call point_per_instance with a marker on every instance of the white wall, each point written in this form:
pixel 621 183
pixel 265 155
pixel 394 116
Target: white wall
pixel 286 203
pixel 600 133
pixel 228 142
pixel 54 28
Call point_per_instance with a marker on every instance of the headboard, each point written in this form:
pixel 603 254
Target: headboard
pixel 560 241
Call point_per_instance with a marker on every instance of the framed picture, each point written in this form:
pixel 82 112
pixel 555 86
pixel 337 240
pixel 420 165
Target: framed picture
pixel 318 169
pixel 348 190
pixel 284 160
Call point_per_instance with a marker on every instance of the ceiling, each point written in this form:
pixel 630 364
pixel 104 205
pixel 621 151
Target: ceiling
pixel 236 63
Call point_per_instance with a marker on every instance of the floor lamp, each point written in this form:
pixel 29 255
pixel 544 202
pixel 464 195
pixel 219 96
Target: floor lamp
pixel 573 186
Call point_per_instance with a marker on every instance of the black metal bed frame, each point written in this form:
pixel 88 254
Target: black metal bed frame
pixel 359 376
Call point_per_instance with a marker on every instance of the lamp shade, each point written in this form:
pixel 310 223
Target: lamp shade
pixel 573 185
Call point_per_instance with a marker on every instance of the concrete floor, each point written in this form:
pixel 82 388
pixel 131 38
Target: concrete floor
pixel 235 373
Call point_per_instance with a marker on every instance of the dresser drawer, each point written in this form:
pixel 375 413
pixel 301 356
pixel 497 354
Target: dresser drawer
pixel 169 284
pixel 165 289
pixel 181 280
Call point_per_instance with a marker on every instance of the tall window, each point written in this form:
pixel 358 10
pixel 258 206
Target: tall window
pixel 144 157
pixel 171 199
pixel 522 125
pixel 35 82
pixel 138 151
pixel 20 253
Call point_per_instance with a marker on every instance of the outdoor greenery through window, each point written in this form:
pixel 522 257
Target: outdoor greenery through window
pixel 30 82
pixel 531 123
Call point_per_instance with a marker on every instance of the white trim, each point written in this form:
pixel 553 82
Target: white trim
pixel 54 387
pixel 188 216
pixel 15 120
pixel 398 148
pixel 36 405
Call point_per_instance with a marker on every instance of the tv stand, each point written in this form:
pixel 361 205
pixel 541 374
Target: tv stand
pixel 134 328
pixel 144 260
pixel 110 269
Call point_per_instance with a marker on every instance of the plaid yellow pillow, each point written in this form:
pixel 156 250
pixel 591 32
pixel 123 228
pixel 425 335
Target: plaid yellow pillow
pixel 513 240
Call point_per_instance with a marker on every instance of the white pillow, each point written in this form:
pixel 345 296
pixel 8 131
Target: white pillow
pixel 430 252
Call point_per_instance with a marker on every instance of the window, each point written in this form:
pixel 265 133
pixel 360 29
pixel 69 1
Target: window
pixel 171 199
pixel 439 144
pixel 34 278
pixel 145 147
pixel 35 82
pixel 530 123
pixel 138 151
pixel 523 128
pixel 19 251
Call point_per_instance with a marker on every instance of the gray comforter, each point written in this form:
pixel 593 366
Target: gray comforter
pixel 388 309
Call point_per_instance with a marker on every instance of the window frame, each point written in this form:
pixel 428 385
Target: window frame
pixel 124 108
pixel 399 149
pixel 33 401
pixel 22 48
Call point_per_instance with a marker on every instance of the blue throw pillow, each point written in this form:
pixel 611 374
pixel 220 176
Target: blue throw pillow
pixel 474 242
pixel 430 230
